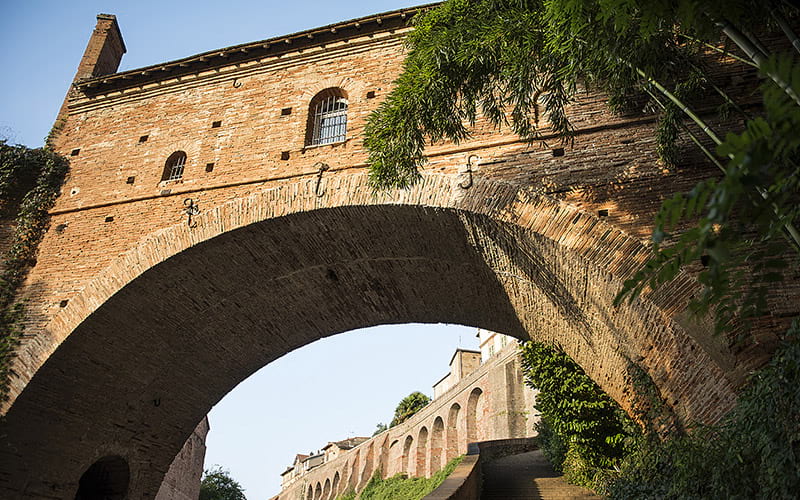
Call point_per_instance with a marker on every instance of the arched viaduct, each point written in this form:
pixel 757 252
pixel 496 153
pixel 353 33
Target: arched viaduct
pixel 139 322
pixel 484 405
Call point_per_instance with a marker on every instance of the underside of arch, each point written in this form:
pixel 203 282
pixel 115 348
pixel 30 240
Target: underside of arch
pixel 167 331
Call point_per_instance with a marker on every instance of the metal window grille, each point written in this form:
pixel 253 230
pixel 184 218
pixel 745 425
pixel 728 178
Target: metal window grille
pixel 175 164
pixel 330 120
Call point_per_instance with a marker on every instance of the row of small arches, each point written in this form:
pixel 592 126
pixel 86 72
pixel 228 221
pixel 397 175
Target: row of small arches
pixel 444 445
pixel 327 124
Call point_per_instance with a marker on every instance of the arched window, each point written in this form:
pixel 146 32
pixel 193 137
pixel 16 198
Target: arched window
pixel 173 168
pixel 327 118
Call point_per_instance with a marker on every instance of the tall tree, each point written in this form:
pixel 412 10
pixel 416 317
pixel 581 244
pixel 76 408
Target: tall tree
pixel 408 406
pixel 217 484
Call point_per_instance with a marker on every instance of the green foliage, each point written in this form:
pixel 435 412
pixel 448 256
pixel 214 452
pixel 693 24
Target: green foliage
pixel 30 180
pixel 762 179
pixel 582 430
pixel 410 405
pixel 400 487
pixel 217 484
pixel 347 495
pixel 753 453
pixel 380 428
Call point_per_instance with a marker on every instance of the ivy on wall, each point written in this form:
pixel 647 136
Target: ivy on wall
pixel 30 181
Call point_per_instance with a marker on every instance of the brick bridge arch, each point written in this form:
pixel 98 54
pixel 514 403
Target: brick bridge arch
pixel 171 326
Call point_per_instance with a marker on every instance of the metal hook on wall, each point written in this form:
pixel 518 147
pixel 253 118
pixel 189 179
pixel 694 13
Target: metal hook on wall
pixel 191 210
pixel 322 168
pixel 472 160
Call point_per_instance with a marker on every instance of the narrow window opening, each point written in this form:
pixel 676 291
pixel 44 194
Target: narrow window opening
pixel 327 118
pixel 371 94
pixel 558 152
pixel 110 218
pixel 603 212
pixel 286 111
pixel 75 152
pixel 143 139
pixel 209 167
pixel 130 180
pixel 284 155
pixel 173 168
pixel 216 124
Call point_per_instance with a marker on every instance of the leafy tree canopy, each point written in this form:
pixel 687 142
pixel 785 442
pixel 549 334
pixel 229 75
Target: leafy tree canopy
pixel 520 62
pixel 410 405
pixel 217 484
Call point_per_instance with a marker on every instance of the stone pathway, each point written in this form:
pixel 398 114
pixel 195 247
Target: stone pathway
pixel 527 476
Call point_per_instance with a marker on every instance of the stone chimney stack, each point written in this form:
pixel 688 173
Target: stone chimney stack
pixel 102 57
pixel 104 50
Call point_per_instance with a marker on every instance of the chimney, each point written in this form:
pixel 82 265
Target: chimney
pixel 102 57
pixel 104 50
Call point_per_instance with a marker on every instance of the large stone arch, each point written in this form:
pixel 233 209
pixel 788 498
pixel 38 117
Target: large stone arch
pixel 473 416
pixel 173 324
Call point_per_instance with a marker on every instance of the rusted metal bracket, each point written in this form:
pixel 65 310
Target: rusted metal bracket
pixel 322 168
pixel 191 210
pixel 472 161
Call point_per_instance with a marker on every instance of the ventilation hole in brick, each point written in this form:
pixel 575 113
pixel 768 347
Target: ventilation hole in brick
pixel 75 152
pixel 576 219
pixel 626 141
pixel 130 180
pixel 63 303
pixel 558 152
pixel 216 124
pixel 143 138
pixel 165 192
pixel 286 111
pixel 61 227
pixel 110 218
pixel 705 259
pixel 284 155
pixel 371 94
pixel 603 212
pixel 209 167
pixel 331 274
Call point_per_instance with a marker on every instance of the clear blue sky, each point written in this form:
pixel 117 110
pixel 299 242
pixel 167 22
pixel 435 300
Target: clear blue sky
pixel 349 382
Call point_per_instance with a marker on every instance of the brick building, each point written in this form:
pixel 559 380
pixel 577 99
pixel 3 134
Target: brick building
pixel 218 214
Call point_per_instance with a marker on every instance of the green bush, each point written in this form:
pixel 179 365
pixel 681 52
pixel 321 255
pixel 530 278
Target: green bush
pixel 753 453
pixel 400 487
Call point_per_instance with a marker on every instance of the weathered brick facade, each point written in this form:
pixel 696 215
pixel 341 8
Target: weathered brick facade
pixel 139 322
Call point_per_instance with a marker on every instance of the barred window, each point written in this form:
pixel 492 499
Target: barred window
pixel 173 168
pixel 327 121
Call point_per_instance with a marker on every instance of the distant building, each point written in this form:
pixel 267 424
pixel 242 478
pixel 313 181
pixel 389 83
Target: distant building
pixel 491 343
pixel 462 363
pixel 334 449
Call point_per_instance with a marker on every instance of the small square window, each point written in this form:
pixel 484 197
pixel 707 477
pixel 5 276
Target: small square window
pixel 143 138
pixel 110 218
pixel 558 152
pixel 216 124
pixel 130 180
pixel 284 155
pixel 371 94
pixel 75 152
pixel 209 167
pixel 286 111
pixel 63 303
pixel 603 212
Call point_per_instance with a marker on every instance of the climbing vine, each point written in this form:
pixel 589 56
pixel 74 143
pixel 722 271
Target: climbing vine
pixel 30 180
